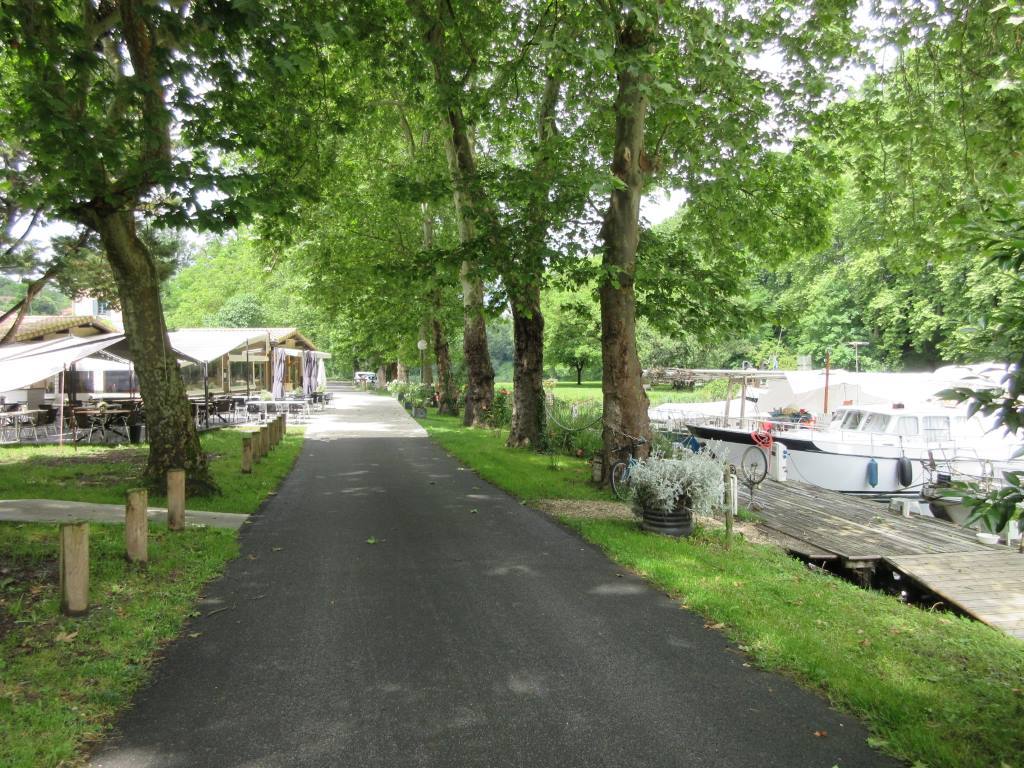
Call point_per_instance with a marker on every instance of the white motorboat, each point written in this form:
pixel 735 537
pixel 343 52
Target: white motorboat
pixel 873 450
pixel 890 435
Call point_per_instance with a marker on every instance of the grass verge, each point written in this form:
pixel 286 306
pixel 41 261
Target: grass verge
pixel 62 681
pixel 591 390
pixel 934 689
pixel 525 474
pixel 102 474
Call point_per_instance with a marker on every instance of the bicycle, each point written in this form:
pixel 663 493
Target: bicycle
pixel 621 470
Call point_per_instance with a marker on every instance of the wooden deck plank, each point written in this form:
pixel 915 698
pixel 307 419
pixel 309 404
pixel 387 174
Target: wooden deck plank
pixel 987 585
pixel 984 581
pixel 855 529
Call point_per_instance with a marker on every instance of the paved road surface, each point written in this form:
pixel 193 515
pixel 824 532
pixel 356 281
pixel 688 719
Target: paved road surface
pixel 461 638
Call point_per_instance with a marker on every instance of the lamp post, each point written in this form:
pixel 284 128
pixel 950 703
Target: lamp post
pixel 856 353
pixel 421 345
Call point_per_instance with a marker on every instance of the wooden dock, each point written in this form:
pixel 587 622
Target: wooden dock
pixel 984 581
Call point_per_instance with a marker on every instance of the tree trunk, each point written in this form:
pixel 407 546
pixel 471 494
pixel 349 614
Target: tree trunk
pixel 625 401
pixel 23 307
pixel 527 427
pixel 448 401
pixel 173 440
pixel 469 204
pixel 579 374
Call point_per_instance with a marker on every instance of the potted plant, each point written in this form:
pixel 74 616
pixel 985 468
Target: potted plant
pixel 667 493
pixel 420 396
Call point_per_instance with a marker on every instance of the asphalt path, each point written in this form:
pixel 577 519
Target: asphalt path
pixel 390 608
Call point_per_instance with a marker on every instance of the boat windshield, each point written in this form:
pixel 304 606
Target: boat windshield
pixel 853 419
pixel 876 422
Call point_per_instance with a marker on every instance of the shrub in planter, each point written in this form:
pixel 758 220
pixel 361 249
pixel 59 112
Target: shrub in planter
pixel 667 493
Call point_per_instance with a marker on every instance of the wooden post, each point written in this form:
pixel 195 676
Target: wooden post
pixel 136 526
pixel 728 400
pixel 261 439
pixel 277 430
pixel 246 454
pixel 284 424
pixel 74 568
pixel 733 509
pixel 176 499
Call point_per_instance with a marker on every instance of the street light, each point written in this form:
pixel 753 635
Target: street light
pixel 856 353
pixel 421 345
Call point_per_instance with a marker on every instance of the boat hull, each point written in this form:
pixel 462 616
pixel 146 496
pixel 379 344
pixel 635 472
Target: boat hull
pixel 808 462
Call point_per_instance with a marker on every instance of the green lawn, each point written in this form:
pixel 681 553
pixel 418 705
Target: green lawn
pixel 525 474
pixel 103 473
pixel 935 690
pixel 62 681
pixel 591 390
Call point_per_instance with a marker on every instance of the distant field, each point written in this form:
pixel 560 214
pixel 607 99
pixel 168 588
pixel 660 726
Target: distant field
pixel 591 390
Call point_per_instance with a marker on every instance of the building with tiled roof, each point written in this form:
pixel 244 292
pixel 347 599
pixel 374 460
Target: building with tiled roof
pixel 43 327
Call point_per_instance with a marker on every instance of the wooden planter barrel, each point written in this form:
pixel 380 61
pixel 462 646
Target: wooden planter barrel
pixel 678 522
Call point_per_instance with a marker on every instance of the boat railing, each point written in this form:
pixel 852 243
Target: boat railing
pixel 753 423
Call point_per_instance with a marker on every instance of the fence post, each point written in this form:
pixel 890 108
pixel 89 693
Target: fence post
pixel 136 526
pixel 246 454
pixel 276 431
pixel 284 424
pixel 74 568
pixel 732 491
pixel 176 499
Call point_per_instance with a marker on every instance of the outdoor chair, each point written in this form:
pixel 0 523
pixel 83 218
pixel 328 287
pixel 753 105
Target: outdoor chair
pixel 85 422
pixel 252 412
pixel 222 408
pixel 297 411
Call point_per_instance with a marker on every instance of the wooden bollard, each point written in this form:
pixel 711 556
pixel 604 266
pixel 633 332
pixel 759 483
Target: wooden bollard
pixel 274 430
pixel 261 436
pixel 246 454
pixel 176 499
pixel 284 424
pixel 136 526
pixel 74 568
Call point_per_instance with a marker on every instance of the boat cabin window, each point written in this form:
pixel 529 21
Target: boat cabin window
pixel 852 419
pixel 936 428
pixel 876 422
pixel 907 425
pixel 968 427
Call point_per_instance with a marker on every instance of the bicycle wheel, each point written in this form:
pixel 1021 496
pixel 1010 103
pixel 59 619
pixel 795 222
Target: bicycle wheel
pixel 620 480
pixel 754 465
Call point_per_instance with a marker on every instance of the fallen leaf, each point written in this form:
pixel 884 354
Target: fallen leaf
pixel 719 625
pixel 277 549
pixel 473 511
pixel 194 634
pixel 864 643
pixel 66 637
pixel 371 540
pixel 821 734
pixel 252 557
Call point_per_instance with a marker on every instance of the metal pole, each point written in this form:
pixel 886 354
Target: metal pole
pixel 206 390
pixel 828 362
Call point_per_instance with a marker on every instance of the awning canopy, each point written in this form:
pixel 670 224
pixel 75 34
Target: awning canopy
pixel 22 365
pixel 208 344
